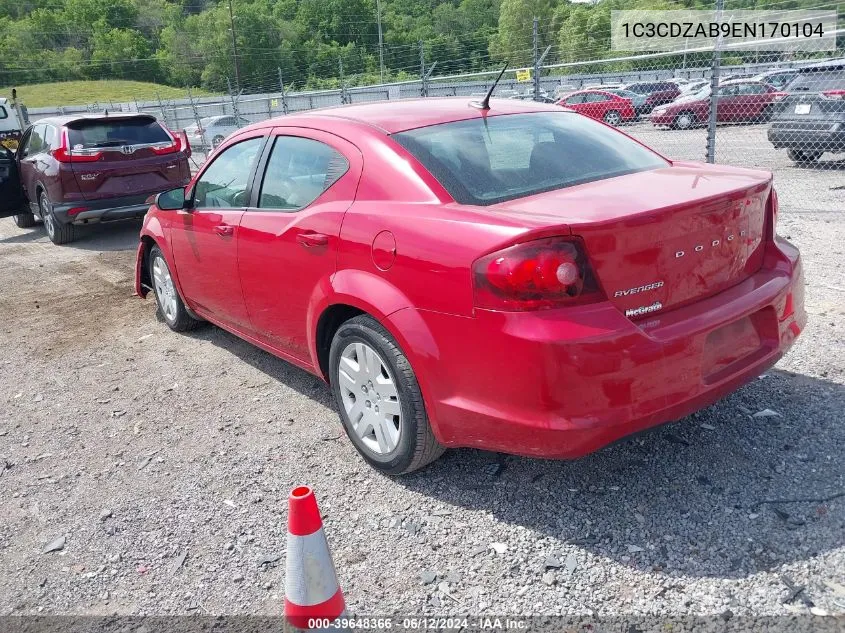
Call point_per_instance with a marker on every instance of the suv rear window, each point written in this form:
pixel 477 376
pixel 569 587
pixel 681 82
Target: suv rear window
pixel 485 161
pixel 102 133
pixel 818 81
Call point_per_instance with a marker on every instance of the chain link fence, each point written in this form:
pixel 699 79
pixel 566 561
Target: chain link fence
pixel 783 115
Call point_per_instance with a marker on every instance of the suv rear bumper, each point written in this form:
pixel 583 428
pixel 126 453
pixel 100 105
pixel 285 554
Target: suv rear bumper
pixel 808 137
pixel 108 210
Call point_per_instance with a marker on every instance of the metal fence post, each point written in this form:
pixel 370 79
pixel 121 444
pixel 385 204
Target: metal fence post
pixel 423 76
pixel 342 81
pixel 194 108
pixel 538 59
pixel 163 111
pixel 234 104
pixel 714 90
pixel 282 88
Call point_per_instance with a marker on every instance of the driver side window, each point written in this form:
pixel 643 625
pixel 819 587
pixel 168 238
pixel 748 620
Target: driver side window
pixel 223 185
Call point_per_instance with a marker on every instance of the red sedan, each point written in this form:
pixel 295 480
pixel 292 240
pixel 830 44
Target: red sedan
pixel 738 101
pixel 518 278
pixel 601 105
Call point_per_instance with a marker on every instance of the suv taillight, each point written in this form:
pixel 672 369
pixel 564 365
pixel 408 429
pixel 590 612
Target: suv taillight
pixel 168 148
pixel 833 95
pixel 547 273
pixel 64 154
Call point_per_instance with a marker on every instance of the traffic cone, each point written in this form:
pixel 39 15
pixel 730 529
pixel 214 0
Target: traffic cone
pixel 312 593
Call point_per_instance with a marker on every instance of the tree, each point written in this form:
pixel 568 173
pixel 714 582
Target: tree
pixel 514 41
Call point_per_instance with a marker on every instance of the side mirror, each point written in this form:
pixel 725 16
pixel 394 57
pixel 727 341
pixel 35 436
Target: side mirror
pixel 173 200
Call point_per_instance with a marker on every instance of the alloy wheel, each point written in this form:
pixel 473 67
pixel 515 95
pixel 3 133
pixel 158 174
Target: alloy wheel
pixel 370 398
pixel 47 215
pixel 165 290
pixel 684 121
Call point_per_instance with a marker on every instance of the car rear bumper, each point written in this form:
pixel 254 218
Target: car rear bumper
pixel 808 137
pixel 564 383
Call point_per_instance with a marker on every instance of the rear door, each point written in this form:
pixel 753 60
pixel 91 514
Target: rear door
pixel 204 237
pixel 288 237
pixel 11 193
pixel 119 156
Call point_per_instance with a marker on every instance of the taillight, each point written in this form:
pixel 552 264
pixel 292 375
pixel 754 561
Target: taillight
pixel 167 148
pixel 833 95
pixel 537 275
pixel 64 154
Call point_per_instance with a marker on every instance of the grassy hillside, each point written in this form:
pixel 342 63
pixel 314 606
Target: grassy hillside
pixel 85 92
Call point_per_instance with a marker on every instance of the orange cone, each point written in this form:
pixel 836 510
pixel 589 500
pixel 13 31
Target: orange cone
pixel 311 588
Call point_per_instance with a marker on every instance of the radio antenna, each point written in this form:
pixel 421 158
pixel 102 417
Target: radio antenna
pixel 484 104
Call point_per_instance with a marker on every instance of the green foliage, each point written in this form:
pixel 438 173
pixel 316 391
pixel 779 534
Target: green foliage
pixel 189 42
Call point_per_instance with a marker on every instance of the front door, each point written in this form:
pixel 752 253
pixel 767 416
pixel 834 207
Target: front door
pixel 204 237
pixel 288 238
pixel 11 193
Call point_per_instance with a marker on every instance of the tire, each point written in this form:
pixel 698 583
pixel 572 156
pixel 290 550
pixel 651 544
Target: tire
pixel 24 220
pixel 684 121
pixel 800 157
pixel 217 140
pixel 57 232
pixel 413 445
pixel 169 305
pixel 612 117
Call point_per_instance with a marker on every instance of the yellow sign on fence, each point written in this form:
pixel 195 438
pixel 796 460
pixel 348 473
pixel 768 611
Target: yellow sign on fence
pixel 523 75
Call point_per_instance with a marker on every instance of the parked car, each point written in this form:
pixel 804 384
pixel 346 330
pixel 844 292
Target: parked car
pixel 738 101
pixel 777 78
pixel 637 100
pixel 599 104
pixel 694 86
pixel 81 169
pixel 812 118
pixel 484 277
pixel 213 129
pixel 656 93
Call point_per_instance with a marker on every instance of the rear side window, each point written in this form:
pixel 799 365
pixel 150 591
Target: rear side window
pixel 518 155
pixel 100 133
pixel 818 81
pixel 298 172
pixel 3 113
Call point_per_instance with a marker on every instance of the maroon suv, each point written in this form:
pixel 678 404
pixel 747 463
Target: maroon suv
pixel 75 170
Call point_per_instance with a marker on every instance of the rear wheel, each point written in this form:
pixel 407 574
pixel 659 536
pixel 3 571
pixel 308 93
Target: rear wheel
pixel 802 157
pixel 684 121
pixel 24 220
pixel 169 303
pixel 379 399
pixel 57 232
pixel 612 117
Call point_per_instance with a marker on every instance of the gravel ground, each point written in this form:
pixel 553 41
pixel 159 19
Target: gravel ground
pixel 162 463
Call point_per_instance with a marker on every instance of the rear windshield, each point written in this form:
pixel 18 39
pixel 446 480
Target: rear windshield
pixel 100 133
pixel 818 81
pixel 522 154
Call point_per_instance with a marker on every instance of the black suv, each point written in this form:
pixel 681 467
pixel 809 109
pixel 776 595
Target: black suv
pixel 811 120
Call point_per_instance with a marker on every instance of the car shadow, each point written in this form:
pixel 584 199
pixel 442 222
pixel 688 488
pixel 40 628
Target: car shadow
pixel 691 497
pixel 822 165
pixel 107 236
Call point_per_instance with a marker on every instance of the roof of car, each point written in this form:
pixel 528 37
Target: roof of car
pixel 830 64
pixel 73 118
pixel 733 82
pixel 408 114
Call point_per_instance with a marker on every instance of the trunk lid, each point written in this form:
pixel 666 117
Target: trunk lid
pixel 135 155
pixel 816 99
pixel 662 238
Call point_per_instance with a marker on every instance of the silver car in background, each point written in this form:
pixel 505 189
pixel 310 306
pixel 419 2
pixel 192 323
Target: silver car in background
pixel 213 129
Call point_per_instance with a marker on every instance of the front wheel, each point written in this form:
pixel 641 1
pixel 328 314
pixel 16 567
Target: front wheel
pixel 684 121
pixel 24 220
pixel 801 157
pixel 169 303
pixel 613 118
pixel 57 232
pixel 379 399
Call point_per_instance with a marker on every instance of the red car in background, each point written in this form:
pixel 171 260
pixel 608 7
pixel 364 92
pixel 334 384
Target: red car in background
pixel 738 101
pixel 514 278
pixel 601 105
pixel 74 170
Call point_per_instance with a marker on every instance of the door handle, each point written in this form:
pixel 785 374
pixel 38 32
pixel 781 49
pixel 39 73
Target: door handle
pixel 312 239
pixel 224 230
